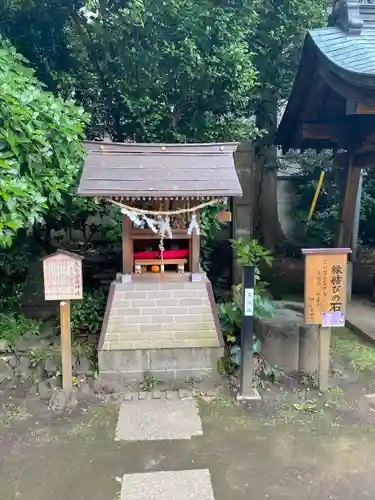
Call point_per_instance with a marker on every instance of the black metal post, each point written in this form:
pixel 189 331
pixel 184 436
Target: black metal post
pixel 246 369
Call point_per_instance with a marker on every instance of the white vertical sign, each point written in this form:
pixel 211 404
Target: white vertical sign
pixel 249 302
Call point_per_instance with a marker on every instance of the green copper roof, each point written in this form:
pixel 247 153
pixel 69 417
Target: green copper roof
pixel 350 53
pixel 337 67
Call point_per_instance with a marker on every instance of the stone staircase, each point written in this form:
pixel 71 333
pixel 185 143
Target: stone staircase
pixel 169 330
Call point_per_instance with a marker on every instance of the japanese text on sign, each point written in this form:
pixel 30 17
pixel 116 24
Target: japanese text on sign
pixel 325 285
pixel 249 302
pixel 62 277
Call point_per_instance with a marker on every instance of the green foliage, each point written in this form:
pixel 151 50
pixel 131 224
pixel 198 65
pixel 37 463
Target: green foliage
pixel 40 150
pixel 349 348
pixel 179 71
pixel 87 314
pixel 14 326
pixel 38 355
pixel 231 313
pixel 149 383
pixel 321 230
pixel 252 253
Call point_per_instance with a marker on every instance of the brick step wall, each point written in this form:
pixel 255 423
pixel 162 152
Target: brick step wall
pixel 154 315
pixel 168 330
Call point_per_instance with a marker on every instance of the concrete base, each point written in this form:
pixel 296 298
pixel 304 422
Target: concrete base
pixel 166 365
pixel 287 342
pixel 254 396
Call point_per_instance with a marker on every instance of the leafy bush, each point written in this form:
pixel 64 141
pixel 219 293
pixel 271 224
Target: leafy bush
pixel 14 326
pixel 231 313
pixel 40 147
pixel 87 314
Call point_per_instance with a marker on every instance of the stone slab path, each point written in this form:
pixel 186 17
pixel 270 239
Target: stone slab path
pixel 158 419
pixel 268 452
pixel 162 416
pixel 168 485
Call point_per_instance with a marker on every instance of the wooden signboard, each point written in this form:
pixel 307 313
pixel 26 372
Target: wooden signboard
pixel 325 299
pixel 62 276
pixel 325 284
pixel 63 281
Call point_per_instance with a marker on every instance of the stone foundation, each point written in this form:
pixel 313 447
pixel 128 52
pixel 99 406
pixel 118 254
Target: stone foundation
pixel 287 342
pixel 169 330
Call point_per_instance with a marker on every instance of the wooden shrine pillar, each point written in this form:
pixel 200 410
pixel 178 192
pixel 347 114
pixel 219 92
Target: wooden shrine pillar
pixel 348 205
pixel 127 246
pixel 195 250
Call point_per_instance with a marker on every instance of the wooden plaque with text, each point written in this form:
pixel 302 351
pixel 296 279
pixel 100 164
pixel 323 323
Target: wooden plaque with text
pixel 62 273
pixel 325 282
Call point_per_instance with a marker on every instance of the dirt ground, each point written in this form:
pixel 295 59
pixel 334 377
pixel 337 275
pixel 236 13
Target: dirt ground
pixel 294 444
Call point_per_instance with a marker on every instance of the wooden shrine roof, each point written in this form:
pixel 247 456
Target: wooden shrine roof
pixel 336 72
pixel 159 170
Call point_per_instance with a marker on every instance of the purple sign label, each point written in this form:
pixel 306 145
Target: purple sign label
pixel 336 318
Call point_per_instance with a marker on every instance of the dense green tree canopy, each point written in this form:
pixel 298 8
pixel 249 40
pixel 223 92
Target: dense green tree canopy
pixel 174 70
pixel 40 150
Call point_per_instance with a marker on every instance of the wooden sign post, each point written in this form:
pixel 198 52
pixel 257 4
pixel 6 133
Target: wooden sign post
pixel 62 273
pixel 325 298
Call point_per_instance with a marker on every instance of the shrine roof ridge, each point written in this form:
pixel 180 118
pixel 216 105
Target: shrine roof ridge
pixel 159 170
pixel 329 251
pixel 72 255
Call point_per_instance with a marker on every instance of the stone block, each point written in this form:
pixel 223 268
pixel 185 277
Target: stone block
pixel 203 334
pixel 188 294
pixel 143 303
pixel 153 344
pixel 153 311
pixel 162 319
pixel 173 286
pixel 112 337
pixel 161 294
pixel 146 286
pixel 120 345
pixel 123 361
pixel 121 303
pixel 203 309
pixel 154 327
pixel 286 341
pixel 162 359
pixel 139 320
pixel 133 295
pixel 166 302
pixel 123 330
pixel 173 327
pixel 177 310
pixel 197 358
pixel 160 335
pixel 192 302
pixel 133 311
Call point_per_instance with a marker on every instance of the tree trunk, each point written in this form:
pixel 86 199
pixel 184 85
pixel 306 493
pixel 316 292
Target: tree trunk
pixel 266 220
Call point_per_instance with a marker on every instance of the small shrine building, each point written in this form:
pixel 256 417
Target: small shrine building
pixel 332 103
pixel 161 317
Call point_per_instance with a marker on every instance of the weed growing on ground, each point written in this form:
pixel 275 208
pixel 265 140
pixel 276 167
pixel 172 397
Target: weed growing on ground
pixel 149 383
pixel 347 346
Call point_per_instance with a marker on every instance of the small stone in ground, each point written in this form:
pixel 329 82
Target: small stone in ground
pixel 52 364
pixel 4 345
pixel 63 399
pixel 82 366
pixel 6 372
pixel 22 369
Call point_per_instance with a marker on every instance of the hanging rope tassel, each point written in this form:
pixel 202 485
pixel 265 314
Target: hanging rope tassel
pixel 193 225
